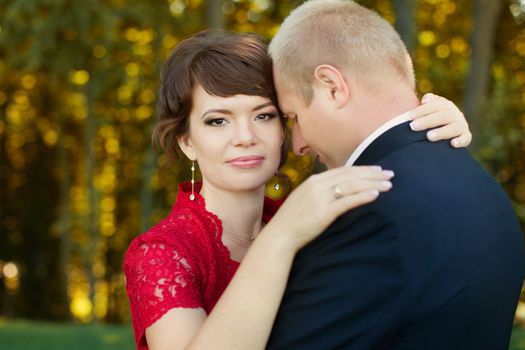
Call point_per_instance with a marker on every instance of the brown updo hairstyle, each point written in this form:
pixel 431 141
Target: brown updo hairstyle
pixel 224 63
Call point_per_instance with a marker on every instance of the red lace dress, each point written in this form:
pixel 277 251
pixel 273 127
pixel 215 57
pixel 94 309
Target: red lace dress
pixel 179 263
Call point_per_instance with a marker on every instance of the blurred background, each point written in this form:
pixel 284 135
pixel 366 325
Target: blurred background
pixel 79 178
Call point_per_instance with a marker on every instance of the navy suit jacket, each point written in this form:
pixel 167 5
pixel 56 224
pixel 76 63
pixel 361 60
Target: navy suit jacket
pixel 436 263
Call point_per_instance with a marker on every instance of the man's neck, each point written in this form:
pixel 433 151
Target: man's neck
pixel 403 118
pixel 378 109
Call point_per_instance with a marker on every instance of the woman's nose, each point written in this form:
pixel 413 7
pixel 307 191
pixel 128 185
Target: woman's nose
pixel 245 134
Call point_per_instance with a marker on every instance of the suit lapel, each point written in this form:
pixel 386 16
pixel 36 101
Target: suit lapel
pixel 392 140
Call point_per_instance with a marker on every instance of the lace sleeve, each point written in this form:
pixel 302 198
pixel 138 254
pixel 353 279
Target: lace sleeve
pixel 158 278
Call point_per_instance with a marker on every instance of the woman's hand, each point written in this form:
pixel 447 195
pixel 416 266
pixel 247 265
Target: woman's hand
pixel 323 197
pixel 444 118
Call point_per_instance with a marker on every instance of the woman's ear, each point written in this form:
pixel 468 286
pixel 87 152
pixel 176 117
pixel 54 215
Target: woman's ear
pixel 186 146
pixel 332 81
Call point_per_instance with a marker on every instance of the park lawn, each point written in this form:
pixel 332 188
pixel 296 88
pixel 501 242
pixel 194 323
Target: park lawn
pixel 517 342
pixel 31 335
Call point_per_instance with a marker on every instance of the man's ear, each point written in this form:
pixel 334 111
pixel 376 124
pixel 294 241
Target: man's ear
pixel 186 146
pixel 332 81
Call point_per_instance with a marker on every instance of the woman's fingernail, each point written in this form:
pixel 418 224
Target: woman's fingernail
pixel 428 96
pixel 386 184
pixel 377 167
pixel 455 143
pixel 388 173
pixel 373 193
pixel 431 135
pixel 414 125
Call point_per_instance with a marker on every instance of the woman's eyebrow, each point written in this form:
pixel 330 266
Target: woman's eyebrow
pixel 228 112
pixel 262 106
pixel 222 111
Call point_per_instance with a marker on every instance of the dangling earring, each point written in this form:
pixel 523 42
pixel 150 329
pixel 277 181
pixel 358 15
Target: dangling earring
pixel 192 195
pixel 276 186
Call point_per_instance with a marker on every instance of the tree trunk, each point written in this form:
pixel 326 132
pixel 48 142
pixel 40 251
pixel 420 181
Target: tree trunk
pixel 149 165
pixel 486 14
pixel 92 217
pixel 214 16
pixel 146 196
pixel 405 25
pixel 64 220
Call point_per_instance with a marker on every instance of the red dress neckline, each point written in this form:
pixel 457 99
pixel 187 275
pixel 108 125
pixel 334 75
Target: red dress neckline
pixel 199 204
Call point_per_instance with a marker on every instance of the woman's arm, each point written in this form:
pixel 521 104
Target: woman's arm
pixel 444 117
pixel 243 316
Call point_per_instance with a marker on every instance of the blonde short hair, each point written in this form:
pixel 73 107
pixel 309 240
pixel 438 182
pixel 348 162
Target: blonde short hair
pixel 343 34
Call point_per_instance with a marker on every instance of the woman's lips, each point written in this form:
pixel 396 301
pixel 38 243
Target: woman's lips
pixel 246 162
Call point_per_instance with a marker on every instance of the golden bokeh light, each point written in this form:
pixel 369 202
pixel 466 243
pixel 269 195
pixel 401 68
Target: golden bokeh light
pixel 132 69
pixel 28 81
pixel 459 45
pixel 439 18
pixel 81 307
pixel 12 284
pixel 99 51
pixel 145 36
pixel 50 137
pixel 11 274
pixel 144 112
pixel 108 204
pixel 228 7
pixel 79 77
pixel 147 96
pixel 427 38
pixel 177 7
pixel 13 115
pixel 101 300
pixel 124 94
pixel 520 48
pixel 169 41
pixel 448 7
pixel 112 146
pixel 498 71
pixel 425 85
pixel 442 51
pixel 10 270
pixel 98 269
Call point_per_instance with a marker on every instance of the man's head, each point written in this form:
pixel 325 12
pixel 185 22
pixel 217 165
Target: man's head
pixel 330 58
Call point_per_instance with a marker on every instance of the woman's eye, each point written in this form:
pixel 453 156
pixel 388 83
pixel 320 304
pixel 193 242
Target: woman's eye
pixel 265 116
pixel 216 122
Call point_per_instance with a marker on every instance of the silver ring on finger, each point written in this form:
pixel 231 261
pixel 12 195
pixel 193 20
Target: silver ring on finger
pixel 337 192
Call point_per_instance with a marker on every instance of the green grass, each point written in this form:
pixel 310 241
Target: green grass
pixel 517 342
pixel 31 335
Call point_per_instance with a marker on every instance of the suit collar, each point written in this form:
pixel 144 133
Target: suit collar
pixel 400 119
pixel 392 140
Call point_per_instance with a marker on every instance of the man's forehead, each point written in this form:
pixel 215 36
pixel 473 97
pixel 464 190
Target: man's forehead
pixel 277 78
pixel 284 102
pixel 275 70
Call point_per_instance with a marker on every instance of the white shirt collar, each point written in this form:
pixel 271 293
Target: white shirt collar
pixel 400 119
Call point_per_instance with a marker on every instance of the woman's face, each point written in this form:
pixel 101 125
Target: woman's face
pixel 235 140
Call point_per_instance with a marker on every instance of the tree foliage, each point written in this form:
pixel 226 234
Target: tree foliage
pixel 78 176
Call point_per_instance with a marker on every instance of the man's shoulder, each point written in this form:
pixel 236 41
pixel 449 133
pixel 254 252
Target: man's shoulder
pixel 367 228
pixel 436 173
